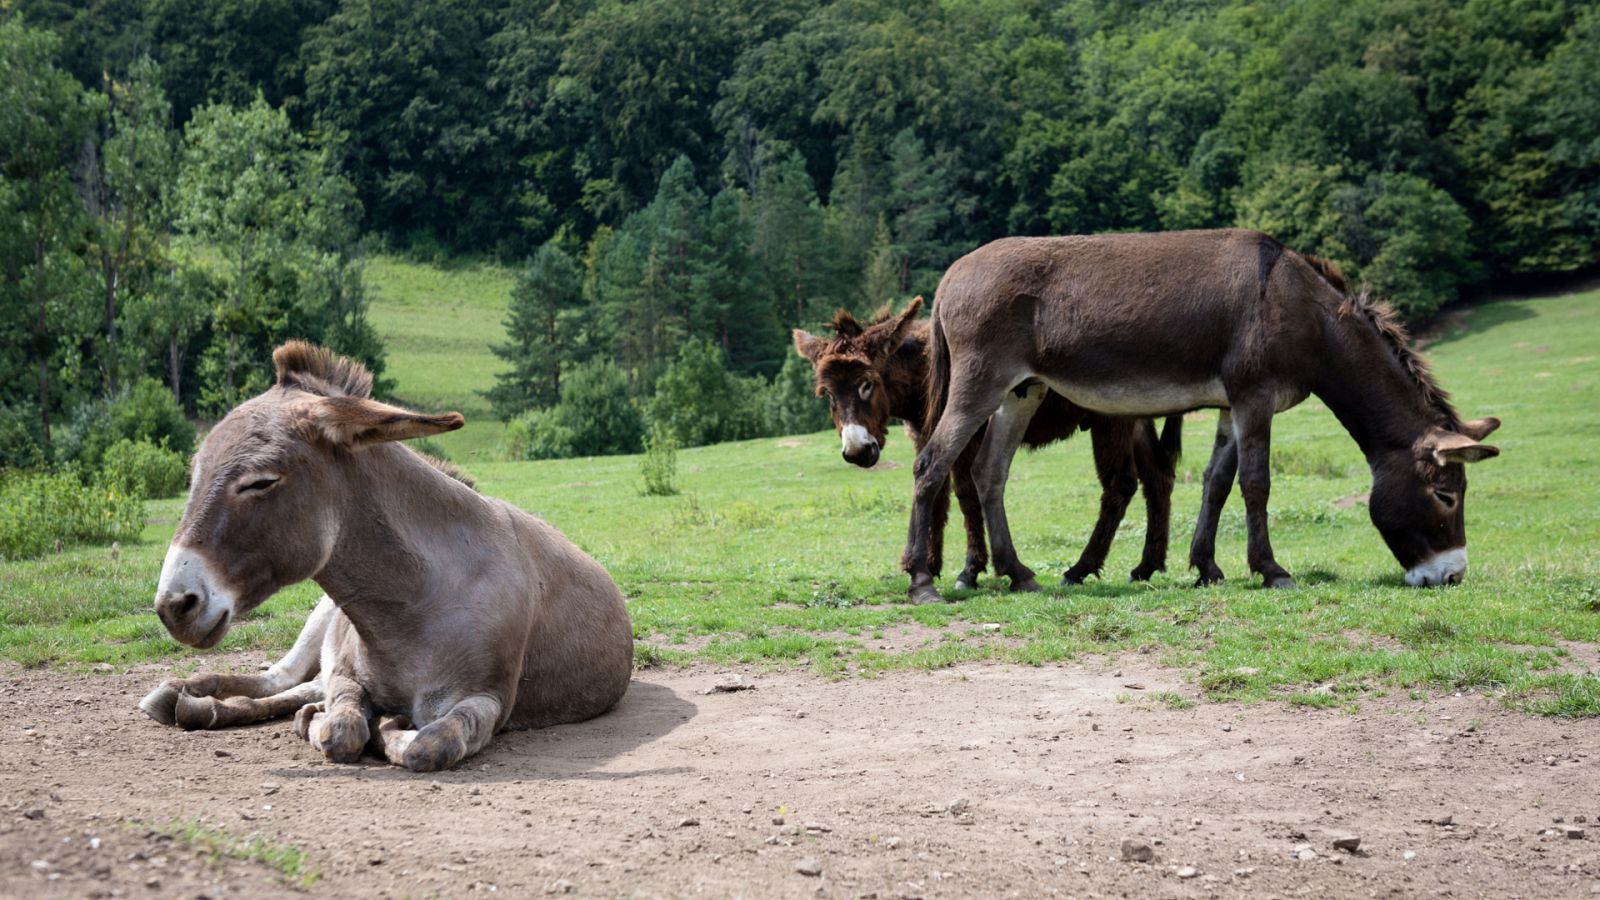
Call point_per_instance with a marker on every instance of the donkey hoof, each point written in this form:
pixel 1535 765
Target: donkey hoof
pixel 965 582
pixel 1028 585
pixel 304 718
pixel 161 704
pixel 924 594
pixel 1075 575
pixel 196 713
pixel 433 753
pixel 340 738
pixel 1209 575
pixel 1143 573
pixel 1279 582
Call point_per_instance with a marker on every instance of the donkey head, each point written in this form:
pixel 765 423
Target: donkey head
pixel 850 373
pixel 267 487
pixel 1419 500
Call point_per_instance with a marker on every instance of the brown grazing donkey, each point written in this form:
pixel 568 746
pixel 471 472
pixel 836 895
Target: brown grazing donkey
pixel 1156 324
pixel 448 617
pixel 870 373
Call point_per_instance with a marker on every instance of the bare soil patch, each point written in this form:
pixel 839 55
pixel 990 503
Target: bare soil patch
pixel 979 780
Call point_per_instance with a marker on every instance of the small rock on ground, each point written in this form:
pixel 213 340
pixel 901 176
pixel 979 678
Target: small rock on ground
pixel 1137 851
pixel 810 867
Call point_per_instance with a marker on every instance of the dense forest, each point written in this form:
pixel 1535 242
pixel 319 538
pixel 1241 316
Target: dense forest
pixel 188 182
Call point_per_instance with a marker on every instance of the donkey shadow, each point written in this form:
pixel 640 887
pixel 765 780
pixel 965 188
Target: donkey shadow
pixel 647 713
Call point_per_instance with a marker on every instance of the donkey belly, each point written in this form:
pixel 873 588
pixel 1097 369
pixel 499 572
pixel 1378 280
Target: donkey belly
pixel 1140 396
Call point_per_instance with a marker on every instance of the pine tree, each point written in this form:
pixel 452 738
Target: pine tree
pixel 540 326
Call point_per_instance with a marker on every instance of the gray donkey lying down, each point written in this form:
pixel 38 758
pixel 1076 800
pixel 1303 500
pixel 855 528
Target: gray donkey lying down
pixel 448 615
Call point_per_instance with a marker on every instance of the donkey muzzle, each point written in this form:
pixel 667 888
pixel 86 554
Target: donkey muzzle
pixel 189 600
pixel 1448 567
pixel 860 447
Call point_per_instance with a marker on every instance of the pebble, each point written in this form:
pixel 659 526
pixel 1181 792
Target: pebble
pixel 1408 855
pixel 688 822
pixel 1137 851
pixel 809 867
pixel 1347 842
pixel 1303 852
pixel 1188 872
pixel 1445 820
pixel 959 806
pixel 560 886
pixel 221 754
pixel 35 813
pixel 270 787
pixel 1575 833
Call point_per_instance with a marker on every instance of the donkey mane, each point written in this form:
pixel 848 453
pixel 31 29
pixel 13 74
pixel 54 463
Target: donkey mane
pixel 320 371
pixel 449 468
pixel 1382 318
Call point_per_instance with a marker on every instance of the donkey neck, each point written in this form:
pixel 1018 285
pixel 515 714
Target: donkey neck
pixel 401 522
pixel 905 377
pixel 1369 390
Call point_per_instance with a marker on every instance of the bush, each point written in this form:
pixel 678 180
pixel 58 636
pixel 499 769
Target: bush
pixel 701 402
pixel 146 411
pixel 38 509
pixel 594 418
pixel 790 404
pixel 660 463
pixel 141 469
pixel 19 438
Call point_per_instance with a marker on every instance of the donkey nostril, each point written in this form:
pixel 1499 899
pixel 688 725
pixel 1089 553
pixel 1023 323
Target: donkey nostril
pixel 187 605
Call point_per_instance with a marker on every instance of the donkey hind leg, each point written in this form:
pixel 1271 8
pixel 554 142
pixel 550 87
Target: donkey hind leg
pixel 1156 465
pixel 445 741
pixel 298 665
pixel 971 517
pixel 1113 462
pixel 1215 485
pixel 965 412
pixel 991 470
pixel 1252 430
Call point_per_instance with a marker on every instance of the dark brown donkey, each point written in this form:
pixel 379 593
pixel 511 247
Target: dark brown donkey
pixel 870 373
pixel 448 615
pixel 1156 324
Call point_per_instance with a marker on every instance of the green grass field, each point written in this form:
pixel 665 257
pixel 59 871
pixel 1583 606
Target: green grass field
pixel 438 326
pixel 778 553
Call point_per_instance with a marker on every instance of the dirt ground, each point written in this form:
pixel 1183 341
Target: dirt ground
pixel 981 780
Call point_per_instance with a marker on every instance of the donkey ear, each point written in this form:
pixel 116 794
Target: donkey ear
pixel 1445 447
pixel 809 346
pixel 354 422
pixel 884 338
pixel 1478 429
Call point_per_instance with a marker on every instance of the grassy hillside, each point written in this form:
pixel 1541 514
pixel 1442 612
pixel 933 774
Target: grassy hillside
pixel 776 552
pixel 438 325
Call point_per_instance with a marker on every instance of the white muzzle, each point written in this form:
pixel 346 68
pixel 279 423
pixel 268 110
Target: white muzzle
pixel 1442 568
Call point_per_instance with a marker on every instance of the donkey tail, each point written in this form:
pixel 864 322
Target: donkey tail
pixel 1172 440
pixel 938 377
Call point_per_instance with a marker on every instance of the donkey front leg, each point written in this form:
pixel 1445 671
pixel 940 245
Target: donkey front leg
pixel 294 669
pixel 1252 429
pixel 991 470
pixel 338 727
pixel 445 741
pixel 1215 485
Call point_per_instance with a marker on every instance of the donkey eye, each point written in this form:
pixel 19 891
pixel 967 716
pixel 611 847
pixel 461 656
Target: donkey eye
pixel 260 484
pixel 865 390
pixel 1446 498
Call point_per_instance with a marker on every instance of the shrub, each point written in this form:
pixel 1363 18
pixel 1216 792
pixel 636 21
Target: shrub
pixel 790 404
pixel 660 463
pixel 19 438
pixel 38 509
pixel 701 402
pixel 141 469
pixel 146 411
pixel 594 418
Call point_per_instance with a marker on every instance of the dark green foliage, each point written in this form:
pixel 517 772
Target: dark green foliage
pixel 700 402
pixel 142 469
pixel 792 405
pixel 145 412
pixel 543 328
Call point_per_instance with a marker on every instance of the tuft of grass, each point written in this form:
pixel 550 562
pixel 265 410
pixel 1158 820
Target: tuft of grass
pixel 290 863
